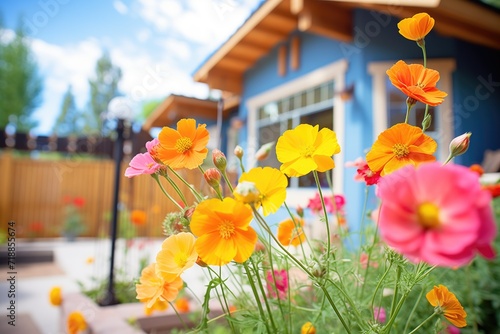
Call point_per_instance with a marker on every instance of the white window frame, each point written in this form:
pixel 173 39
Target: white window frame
pixel 444 111
pixel 333 72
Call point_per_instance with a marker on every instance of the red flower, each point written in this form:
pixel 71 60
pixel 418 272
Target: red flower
pixel 79 202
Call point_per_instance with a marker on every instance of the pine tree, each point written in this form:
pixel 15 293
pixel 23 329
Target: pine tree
pixel 20 83
pixel 69 120
pixel 103 88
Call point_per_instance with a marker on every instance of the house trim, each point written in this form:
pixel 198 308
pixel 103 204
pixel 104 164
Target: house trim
pixel 445 66
pixel 332 72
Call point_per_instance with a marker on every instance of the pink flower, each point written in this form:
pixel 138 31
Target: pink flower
pixel 363 172
pixel 452 330
pixel 437 214
pixel 141 164
pixel 363 260
pixel 379 314
pixel 277 283
pixel 315 204
pixel 152 143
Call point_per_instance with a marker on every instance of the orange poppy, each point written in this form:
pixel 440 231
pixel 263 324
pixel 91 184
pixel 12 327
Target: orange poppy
pixel 417 27
pixel 290 232
pixel 447 304
pixel 152 287
pixel 223 230
pixel 400 145
pixel 417 82
pixel 185 147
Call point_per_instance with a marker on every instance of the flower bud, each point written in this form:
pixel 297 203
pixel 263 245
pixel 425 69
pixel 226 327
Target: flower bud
pixel 459 145
pixel 219 160
pixel 201 263
pixel 263 151
pixel 246 192
pixel 426 123
pixel 238 151
pixel 213 176
pixel 300 211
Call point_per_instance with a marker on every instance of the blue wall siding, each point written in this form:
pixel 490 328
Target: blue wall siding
pixel 376 38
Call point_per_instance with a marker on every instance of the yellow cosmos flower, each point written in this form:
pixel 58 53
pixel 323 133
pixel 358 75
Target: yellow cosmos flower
pixel 223 231
pixel 185 147
pixel 75 323
pixel 55 296
pixel 158 305
pixel 290 232
pixel 398 146
pixel 447 304
pixel 306 148
pixel 271 185
pixel 176 255
pixel 152 287
pixel 417 27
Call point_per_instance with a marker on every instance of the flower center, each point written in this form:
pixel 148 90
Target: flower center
pixel 308 151
pixel 226 229
pixel 428 215
pixel 180 259
pixel 400 150
pixel 183 144
pixel 150 165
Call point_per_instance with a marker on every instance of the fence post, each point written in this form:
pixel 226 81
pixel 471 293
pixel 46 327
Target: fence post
pixel 7 181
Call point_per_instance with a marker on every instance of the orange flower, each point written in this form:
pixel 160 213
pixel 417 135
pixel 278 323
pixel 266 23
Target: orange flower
pixel 152 287
pixel 290 232
pixel 223 230
pixel 400 145
pixel 158 305
pixel 76 323
pixel 417 82
pixel 417 27
pixel 308 328
pixel 182 305
pixel 185 147
pixel 446 303
pixel 477 168
pixel 138 217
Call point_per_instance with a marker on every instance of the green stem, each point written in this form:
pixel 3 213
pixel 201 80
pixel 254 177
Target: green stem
pixel 423 323
pixel 469 297
pixel 179 316
pixel 263 292
pixel 224 175
pixel 413 310
pixel 263 224
pixel 155 176
pixel 199 197
pixel 396 289
pixel 328 242
pixel 256 295
pixel 379 284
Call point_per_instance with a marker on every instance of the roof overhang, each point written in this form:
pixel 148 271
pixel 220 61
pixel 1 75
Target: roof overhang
pixel 274 20
pixel 175 107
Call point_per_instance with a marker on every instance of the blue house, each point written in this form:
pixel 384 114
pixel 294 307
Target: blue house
pixel 324 62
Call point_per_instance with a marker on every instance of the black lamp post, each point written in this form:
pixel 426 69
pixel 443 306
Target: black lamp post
pixel 120 110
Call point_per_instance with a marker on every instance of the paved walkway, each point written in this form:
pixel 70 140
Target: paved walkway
pixel 73 261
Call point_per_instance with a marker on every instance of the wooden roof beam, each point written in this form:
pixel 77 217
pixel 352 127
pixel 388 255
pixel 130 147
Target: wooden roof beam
pixel 225 81
pixel 337 24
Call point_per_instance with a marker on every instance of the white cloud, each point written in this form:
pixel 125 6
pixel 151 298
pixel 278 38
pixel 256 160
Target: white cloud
pixel 143 35
pixel 177 48
pixel 120 7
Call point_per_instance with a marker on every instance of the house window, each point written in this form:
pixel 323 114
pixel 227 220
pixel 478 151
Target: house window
pixel 312 106
pixel 389 104
pixel 307 99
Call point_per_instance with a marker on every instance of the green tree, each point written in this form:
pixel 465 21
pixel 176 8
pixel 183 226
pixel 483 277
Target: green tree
pixel 20 83
pixel 103 87
pixel 148 108
pixel 69 120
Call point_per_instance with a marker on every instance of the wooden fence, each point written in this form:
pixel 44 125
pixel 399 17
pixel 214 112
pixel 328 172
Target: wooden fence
pixel 32 194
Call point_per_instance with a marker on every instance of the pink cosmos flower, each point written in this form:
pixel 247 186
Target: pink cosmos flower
pixel 436 214
pixel 379 314
pixel 315 203
pixel 150 144
pixel 279 283
pixel 452 330
pixel 141 164
pixel 363 172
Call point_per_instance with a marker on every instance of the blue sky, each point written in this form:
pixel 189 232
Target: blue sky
pixel 158 44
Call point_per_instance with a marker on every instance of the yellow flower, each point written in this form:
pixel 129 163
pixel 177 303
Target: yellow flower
pixel 176 255
pixel 152 287
pixel 89 260
pixel 308 328
pixel 271 185
pixel 223 230
pixel 185 147
pixel 55 296
pixel 398 146
pixel 306 148
pixel 290 232
pixel 446 303
pixel 75 323
pixel 417 27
